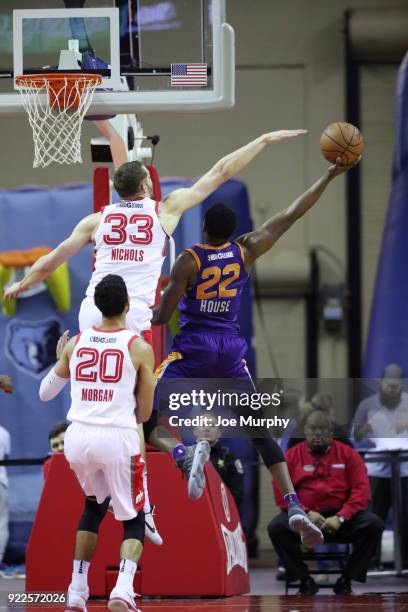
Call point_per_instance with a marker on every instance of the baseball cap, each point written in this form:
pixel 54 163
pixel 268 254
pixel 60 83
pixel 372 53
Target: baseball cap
pixel 393 374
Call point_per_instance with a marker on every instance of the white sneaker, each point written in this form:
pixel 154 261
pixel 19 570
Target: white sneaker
pixel 196 482
pixel 76 600
pixel 151 532
pixel 192 466
pixel 121 600
pixel 310 534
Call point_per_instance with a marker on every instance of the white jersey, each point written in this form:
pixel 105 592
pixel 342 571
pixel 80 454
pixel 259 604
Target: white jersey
pixel 103 379
pixel 4 451
pixel 130 242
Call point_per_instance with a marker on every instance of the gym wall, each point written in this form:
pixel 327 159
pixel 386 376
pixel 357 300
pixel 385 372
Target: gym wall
pixel 278 85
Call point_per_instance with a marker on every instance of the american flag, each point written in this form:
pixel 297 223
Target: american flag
pixel 190 75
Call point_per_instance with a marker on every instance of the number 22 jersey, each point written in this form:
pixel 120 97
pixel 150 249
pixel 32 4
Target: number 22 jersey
pixel 213 303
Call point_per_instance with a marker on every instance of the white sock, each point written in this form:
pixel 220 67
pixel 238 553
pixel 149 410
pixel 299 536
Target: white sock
pixel 127 570
pixel 146 507
pixel 79 580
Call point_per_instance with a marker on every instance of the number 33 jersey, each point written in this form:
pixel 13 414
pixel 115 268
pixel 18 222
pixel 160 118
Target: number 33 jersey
pixel 213 303
pixel 103 379
pixel 130 242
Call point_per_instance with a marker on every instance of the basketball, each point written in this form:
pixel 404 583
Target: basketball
pixel 342 140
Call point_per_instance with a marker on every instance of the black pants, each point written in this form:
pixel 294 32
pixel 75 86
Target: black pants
pixel 381 503
pixel 266 446
pixel 363 530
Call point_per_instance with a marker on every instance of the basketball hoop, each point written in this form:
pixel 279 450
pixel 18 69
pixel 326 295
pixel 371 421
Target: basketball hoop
pixel 56 104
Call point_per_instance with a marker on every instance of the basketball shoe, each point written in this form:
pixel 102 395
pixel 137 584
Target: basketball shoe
pixel 76 600
pixel 122 600
pixel 151 532
pixel 192 465
pixel 310 535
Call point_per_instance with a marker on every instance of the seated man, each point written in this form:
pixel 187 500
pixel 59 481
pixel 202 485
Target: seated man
pixel 332 485
pixel 381 421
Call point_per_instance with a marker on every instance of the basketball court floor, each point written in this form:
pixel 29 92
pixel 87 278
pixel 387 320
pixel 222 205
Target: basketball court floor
pixel 384 594
pixel 365 603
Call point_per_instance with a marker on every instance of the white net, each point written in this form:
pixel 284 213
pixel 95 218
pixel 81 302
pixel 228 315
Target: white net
pixel 56 106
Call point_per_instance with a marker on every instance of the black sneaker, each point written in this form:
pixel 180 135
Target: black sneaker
pixel 308 587
pixel 343 586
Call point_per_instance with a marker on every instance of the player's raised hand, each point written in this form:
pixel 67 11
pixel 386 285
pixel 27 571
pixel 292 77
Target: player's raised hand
pixel 6 383
pixel 282 135
pixel 62 342
pixel 338 168
pixel 12 292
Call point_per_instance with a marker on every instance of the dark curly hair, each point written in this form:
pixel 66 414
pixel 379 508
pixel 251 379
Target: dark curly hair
pixel 220 222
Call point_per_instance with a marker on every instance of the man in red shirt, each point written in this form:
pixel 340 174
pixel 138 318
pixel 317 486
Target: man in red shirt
pixel 56 440
pixel 332 485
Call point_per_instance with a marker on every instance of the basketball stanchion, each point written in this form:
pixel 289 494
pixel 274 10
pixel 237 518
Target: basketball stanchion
pixel 208 547
pixel 56 104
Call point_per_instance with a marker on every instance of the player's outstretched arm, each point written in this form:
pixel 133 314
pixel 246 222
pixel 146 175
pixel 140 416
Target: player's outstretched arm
pixel 182 276
pixel 45 265
pixel 59 375
pixel 142 357
pixel 262 240
pixel 181 200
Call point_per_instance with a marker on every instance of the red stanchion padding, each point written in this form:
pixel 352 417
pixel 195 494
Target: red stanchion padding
pixel 101 188
pixel 204 553
pixel 204 550
pixel 156 182
pixel 53 535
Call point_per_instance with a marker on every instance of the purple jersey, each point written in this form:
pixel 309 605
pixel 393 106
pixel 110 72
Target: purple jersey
pixel 213 303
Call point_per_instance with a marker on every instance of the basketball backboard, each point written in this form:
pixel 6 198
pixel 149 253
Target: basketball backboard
pixel 42 41
pixel 153 55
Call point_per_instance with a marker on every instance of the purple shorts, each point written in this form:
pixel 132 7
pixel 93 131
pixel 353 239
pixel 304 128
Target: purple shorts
pixel 195 355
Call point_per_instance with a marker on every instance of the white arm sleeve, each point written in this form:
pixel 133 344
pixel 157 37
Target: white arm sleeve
pixel 51 385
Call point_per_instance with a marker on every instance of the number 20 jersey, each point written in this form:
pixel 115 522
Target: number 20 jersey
pixel 130 242
pixel 213 303
pixel 103 379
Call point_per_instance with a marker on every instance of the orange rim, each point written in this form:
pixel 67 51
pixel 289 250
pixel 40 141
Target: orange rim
pixel 38 80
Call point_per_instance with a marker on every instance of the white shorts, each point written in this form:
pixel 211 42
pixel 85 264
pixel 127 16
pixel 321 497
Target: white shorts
pixel 107 462
pixel 137 319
